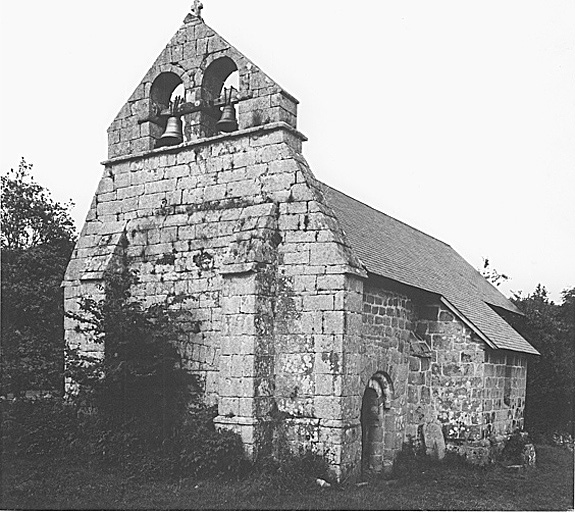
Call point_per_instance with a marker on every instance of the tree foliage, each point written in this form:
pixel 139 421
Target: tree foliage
pixel 491 274
pixel 29 216
pixel 551 377
pixel 37 237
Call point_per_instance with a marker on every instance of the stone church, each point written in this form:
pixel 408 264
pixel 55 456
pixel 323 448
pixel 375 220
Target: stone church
pixel 321 322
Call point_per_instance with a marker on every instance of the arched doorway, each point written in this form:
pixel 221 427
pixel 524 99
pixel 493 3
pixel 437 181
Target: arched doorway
pixel 376 399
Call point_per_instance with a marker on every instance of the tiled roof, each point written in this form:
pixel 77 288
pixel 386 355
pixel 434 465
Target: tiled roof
pixel 392 249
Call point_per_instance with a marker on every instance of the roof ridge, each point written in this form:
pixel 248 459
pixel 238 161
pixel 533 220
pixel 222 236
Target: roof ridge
pixel 382 213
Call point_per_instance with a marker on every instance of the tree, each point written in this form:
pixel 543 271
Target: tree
pixel 550 377
pixel 491 274
pixel 36 237
pixel 29 216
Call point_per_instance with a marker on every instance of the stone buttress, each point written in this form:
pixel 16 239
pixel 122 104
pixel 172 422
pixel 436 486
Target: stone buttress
pixel 238 224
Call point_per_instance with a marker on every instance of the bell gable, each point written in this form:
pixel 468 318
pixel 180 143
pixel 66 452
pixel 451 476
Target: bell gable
pixel 195 77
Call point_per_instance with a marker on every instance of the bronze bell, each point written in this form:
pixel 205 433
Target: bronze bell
pixel 173 134
pixel 228 121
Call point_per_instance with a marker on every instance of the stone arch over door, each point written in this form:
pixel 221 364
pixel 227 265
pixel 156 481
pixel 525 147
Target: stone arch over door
pixel 376 400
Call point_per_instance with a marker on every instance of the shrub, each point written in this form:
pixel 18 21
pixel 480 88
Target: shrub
pixel 196 449
pixel 206 452
pixel 38 427
pixel 133 407
pixel 56 428
pixel 514 447
pixel 141 379
pixel 289 471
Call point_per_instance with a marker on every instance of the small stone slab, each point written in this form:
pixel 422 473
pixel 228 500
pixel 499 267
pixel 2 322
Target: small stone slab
pixel 434 440
pixel 529 455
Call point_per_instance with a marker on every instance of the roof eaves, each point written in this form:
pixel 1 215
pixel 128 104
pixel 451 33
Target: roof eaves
pixel 466 321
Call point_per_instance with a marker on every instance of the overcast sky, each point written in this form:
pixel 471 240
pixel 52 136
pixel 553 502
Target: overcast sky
pixel 457 117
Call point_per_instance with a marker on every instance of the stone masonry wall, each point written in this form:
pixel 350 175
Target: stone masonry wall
pixel 387 322
pixel 504 395
pixel 457 373
pixel 239 225
pixel 477 393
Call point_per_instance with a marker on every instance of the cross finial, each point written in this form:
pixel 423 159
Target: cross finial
pixel 197 8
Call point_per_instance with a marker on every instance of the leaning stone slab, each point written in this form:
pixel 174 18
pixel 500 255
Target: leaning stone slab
pixel 528 455
pixel 434 440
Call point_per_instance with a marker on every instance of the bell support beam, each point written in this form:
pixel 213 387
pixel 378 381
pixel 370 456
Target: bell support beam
pixel 188 108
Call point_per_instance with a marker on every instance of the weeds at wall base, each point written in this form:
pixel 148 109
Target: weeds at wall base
pixel 58 429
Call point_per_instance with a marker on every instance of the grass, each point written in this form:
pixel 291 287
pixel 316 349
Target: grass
pixel 71 485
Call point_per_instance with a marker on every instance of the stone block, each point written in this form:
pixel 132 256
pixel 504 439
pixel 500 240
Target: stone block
pixel 150 201
pixel 310 322
pixel 229 406
pixel 331 362
pixel 333 322
pixel 247 344
pixel 274 182
pixel 111 208
pixel 318 303
pixel 414 364
pixel 231 305
pixel 246 407
pixel 106 185
pixel 295 363
pixel 296 258
pixel 331 282
pixel 416 378
pixel 301 192
pixel 160 186
pixel 326 254
pixel 288 167
pixel 324 384
pixel 440 342
pixel 327 407
pixel 210 193
pixel 446 316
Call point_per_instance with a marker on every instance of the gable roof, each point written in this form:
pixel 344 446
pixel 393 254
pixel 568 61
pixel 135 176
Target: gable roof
pixel 389 248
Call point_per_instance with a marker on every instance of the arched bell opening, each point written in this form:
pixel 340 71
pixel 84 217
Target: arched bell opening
pixel 376 400
pixel 162 88
pixel 220 77
pixel 166 128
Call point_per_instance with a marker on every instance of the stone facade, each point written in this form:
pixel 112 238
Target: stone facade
pixel 293 340
pixel 475 394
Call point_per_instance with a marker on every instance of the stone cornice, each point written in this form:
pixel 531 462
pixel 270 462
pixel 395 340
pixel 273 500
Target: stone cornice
pixel 271 127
